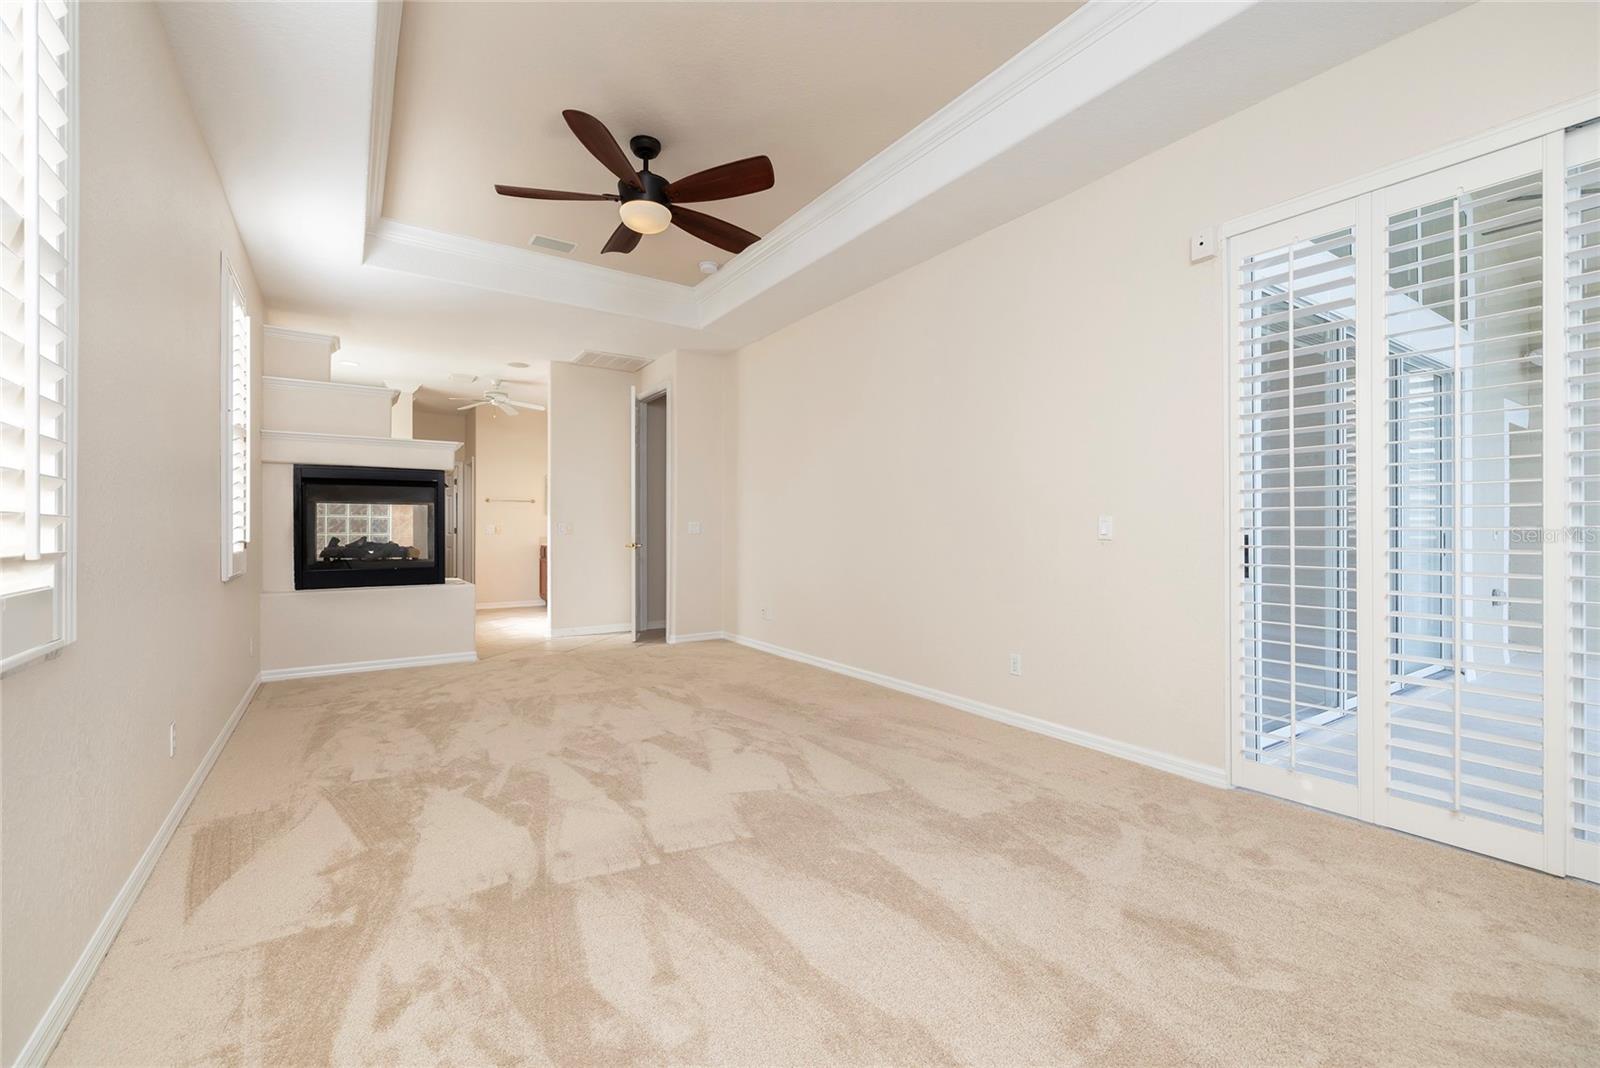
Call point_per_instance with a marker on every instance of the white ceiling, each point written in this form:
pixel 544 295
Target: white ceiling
pixel 820 88
pixel 285 95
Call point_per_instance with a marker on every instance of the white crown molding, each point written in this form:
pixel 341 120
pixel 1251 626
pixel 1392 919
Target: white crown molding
pixel 311 447
pixel 385 54
pixel 315 385
pixel 299 335
pixel 1095 49
pixel 1015 100
pixel 470 261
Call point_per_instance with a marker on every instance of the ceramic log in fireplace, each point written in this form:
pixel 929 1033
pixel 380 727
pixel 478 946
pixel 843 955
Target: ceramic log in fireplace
pixel 367 526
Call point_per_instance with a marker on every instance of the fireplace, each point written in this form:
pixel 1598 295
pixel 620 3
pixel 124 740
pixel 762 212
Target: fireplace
pixel 367 526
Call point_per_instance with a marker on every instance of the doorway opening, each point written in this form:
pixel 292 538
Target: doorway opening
pixel 650 518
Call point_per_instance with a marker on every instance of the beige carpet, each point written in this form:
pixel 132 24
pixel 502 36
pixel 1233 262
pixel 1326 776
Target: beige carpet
pixel 590 853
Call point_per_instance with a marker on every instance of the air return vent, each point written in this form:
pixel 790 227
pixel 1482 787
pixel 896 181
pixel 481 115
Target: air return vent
pixel 551 244
pixel 611 361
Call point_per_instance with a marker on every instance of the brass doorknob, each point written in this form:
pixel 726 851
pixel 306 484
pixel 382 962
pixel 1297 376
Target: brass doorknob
pixel 634 545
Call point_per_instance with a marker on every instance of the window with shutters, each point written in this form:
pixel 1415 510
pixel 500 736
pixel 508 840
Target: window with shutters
pixel 236 489
pixel 1582 187
pixel 37 323
pixel 1417 364
pixel 1297 460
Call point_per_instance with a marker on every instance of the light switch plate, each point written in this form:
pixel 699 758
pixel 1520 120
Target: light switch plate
pixel 694 526
pixel 1104 529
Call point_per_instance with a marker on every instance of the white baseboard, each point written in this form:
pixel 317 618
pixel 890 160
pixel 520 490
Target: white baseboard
pixel 355 667
pixel 579 632
pixel 704 636
pixel 510 604
pixel 1201 773
pixel 54 1022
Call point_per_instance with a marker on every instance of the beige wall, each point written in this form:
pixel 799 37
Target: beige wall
pixel 590 572
pixel 511 453
pixel 429 425
pixel 86 777
pixel 920 467
pixel 700 426
pixel 294 354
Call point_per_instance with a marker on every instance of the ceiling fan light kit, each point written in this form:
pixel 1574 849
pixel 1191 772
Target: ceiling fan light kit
pixel 648 202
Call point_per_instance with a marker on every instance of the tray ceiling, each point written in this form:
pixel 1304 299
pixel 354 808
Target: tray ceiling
pixel 818 87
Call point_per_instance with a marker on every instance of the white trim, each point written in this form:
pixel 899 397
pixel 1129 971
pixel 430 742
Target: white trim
pixel 536 603
pixel 1095 49
pixel 1188 769
pixel 234 564
pixel 278 382
pixel 50 1027
pixel 1540 123
pixel 312 447
pixel 522 272
pixel 703 636
pixel 299 335
pixel 604 628
pixel 385 53
pixel 356 667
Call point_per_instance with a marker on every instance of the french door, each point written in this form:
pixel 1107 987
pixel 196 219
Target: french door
pixel 1417 505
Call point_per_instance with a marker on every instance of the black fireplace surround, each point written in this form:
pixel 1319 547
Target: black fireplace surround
pixel 367 526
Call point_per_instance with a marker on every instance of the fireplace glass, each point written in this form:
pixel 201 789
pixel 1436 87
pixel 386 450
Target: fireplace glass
pixel 367 526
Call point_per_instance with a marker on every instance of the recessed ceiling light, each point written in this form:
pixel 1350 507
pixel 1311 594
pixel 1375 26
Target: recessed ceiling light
pixel 516 363
pixel 348 363
pixel 708 266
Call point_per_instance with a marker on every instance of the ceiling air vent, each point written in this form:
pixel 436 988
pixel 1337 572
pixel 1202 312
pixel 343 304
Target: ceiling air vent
pixel 611 361
pixel 552 244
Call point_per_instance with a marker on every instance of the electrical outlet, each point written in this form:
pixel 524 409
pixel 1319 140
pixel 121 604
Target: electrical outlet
pixel 694 526
pixel 172 739
pixel 1016 663
pixel 766 613
pixel 563 528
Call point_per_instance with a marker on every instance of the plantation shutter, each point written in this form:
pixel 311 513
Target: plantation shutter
pixel 1296 343
pixel 1463 317
pixel 35 325
pixel 1582 186
pixel 236 428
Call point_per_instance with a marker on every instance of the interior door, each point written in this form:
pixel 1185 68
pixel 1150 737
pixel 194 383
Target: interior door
pixel 1466 757
pixel 635 512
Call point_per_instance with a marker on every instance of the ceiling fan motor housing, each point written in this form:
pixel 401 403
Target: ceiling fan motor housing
pixel 655 188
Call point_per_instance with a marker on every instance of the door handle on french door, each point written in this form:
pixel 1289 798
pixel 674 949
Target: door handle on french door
pixel 634 545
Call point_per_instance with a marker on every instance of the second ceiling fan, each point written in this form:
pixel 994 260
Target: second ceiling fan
pixel 648 203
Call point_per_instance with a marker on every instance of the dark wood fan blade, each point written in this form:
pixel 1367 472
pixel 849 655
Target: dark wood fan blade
pixel 734 179
pixel 713 231
pixel 622 240
pixel 601 145
pixel 550 194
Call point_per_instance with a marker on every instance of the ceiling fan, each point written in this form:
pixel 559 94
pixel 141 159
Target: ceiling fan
pixel 649 203
pixel 499 398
